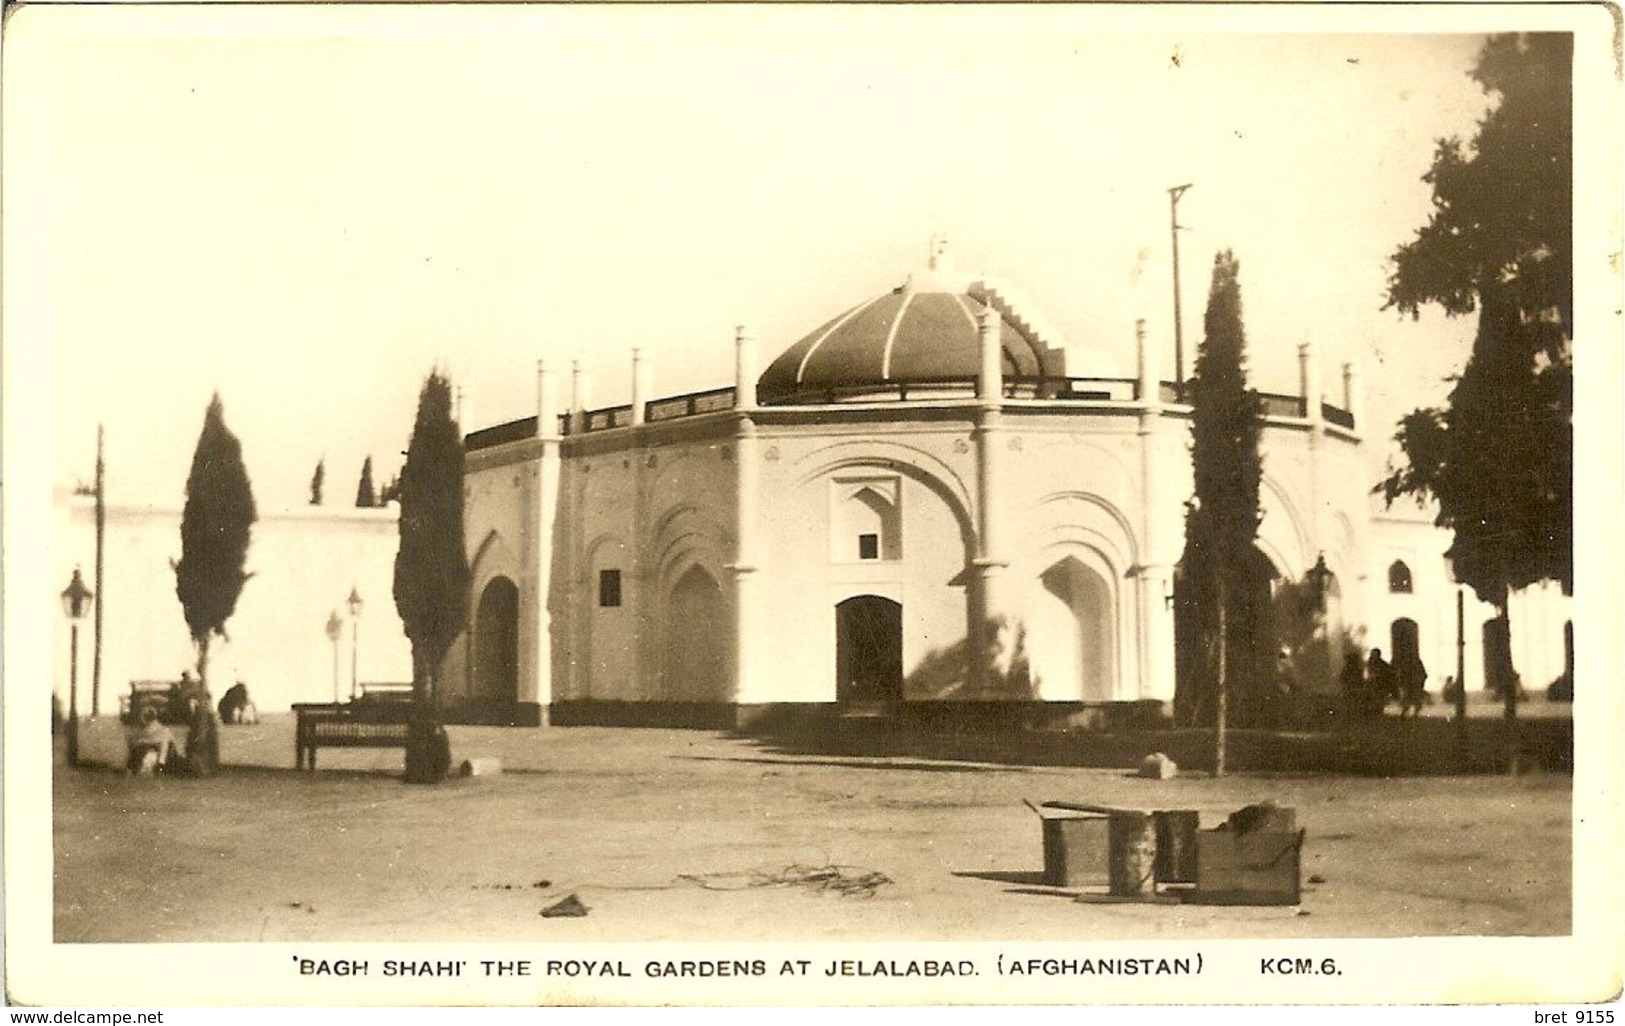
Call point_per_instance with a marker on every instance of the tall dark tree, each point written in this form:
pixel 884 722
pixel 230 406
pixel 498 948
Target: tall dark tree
pixel 1499 456
pixel 209 578
pixel 316 481
pixel 1220 565
pixel 365 496
pixel 431 569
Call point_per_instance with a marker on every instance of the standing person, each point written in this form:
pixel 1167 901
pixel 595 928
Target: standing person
pixel 1413 680
pixel 1285 691
pixel 1381 684
pixel 1352 679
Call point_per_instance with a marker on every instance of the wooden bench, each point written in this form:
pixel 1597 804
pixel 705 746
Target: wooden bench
pixel 360 724
pixel 387 691
pixel 162 695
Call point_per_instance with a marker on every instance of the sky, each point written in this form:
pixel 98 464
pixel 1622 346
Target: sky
pixel 308 209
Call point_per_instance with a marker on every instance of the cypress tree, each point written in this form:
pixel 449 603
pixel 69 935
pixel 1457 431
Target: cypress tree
pixel 365 496
pixel 209 578
pixel 431 569
pixel 1222 521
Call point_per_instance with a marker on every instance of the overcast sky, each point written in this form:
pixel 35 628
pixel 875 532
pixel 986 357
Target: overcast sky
pixel 308 208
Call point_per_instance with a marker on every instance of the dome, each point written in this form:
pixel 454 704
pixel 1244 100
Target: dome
pixel 922 331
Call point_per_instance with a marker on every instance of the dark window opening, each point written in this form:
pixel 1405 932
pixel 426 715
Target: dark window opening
pixel 868 546
pixel 1399 578
pixel 609 587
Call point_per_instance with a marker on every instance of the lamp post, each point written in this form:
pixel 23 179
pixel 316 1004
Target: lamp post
pixel 355 603
pixel 335 628
pixel 76 601
pixel 1320 579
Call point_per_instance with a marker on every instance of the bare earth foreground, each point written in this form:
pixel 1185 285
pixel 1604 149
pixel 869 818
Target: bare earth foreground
pixel 693 835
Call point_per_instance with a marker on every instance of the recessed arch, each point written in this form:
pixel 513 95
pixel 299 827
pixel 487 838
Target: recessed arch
pixel 868 650
pixel 1071 633
pixel 696 639
pixel 496 643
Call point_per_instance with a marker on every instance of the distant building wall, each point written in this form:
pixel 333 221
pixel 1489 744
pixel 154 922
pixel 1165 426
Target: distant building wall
pixel 304 560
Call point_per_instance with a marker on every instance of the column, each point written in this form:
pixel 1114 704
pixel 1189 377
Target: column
pixel 1351 395
pixel 580 397
pixel 748 687
pixel 991 561
pixel 642 380
pixel 549 469
pixel 1153 578
pixel 744 369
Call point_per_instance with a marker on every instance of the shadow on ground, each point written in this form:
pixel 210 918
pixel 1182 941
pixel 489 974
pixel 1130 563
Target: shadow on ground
pixel 1385 748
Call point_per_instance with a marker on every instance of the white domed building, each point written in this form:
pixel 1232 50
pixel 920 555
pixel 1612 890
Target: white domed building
pixel 929 503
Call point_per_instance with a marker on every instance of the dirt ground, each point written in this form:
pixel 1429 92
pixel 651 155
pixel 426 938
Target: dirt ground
pixel 692 835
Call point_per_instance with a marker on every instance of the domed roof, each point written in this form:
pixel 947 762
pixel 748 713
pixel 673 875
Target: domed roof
pixel 924 330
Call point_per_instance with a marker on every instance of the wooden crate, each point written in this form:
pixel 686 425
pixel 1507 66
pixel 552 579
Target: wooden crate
pixel 1260 867
pixel 1075 850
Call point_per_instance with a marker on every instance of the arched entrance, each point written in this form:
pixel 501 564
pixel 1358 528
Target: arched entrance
pixel 1404 641
pixel 1069 634
pixel 868 650
pixel 696 640
pixel 496 643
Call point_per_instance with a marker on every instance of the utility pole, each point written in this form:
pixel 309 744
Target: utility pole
pixel 1179 334
pixel 101 533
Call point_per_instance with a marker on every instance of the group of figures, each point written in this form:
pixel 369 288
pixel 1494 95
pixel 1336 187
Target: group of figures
pixel 1369 685
pixel 150 744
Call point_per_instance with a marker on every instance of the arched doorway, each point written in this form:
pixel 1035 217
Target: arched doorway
pixel 868 650
pixel 496 643
pixel 1069 634
pixel 1404 641
pixel 696 639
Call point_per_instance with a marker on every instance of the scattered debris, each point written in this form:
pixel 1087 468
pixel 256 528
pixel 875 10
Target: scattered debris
pixel 847 881
pixel 1316 878
pixel 542 885
pixel 569 906
pixel 1158 766
pixel 485 767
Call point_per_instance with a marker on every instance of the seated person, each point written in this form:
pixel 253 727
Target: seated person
pixel 151 745
pixel 236 706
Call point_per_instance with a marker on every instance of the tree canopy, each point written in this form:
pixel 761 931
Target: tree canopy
pixel 1498 457
pixel 215 527
pixel 431 568
pixel 365 496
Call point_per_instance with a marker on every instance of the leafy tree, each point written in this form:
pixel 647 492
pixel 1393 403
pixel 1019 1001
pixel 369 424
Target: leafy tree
pixel 1499 456
pixel 316 480
pixel 209 578
pixel 1221 565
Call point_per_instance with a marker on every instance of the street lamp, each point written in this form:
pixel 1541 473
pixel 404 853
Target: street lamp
pixel 76 600
pixel 335 628
pixel 354 602
pixel 1320 581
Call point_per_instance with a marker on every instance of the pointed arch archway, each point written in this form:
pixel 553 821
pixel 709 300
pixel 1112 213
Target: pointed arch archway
pixel 1071 634
pixel 496 643
pixel 696 643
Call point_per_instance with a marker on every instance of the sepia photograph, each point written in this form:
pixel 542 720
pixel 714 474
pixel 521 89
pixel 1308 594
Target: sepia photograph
pixel 828 504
